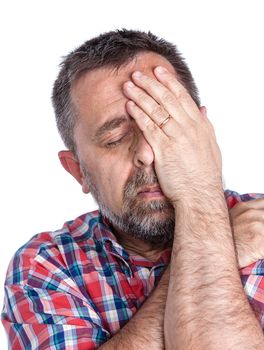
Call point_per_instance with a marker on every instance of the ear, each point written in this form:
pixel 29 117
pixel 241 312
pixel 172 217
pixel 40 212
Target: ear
pixel 203 110
pixel 71 164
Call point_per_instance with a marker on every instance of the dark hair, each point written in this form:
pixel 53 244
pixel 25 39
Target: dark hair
pixel 111 49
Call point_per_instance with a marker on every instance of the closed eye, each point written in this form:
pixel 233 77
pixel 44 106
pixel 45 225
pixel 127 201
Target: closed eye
pixel 114 143
pixel 117 142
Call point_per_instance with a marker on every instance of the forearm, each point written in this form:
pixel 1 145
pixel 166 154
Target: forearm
pixel 206 305
pixel 146 329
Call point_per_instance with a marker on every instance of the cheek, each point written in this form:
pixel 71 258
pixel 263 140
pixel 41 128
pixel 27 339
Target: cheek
pixel 114 179
pixel 111 174
pixel 115 169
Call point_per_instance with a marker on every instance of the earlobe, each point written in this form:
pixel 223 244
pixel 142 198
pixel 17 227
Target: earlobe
pixel 72 166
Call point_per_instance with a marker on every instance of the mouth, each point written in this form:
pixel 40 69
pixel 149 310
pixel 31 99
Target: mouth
pixel 150 191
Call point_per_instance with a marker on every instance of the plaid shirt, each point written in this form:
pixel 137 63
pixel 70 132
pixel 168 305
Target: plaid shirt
pixel 76 287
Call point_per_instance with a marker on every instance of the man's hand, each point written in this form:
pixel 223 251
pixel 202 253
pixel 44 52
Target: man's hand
pixel 247 221
pixel 205 296
pixel 187 157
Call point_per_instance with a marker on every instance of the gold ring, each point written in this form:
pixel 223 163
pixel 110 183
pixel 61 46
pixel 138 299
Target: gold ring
pixel 164 121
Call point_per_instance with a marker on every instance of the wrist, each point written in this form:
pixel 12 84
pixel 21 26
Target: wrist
pixel 202 218
pixel 199 197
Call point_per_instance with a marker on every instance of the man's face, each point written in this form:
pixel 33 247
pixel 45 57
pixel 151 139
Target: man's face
pixel 115 158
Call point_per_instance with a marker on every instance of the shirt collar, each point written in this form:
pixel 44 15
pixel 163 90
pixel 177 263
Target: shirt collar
pixel 104 233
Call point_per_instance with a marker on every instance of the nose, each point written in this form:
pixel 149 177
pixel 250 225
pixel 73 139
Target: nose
pixel 143 153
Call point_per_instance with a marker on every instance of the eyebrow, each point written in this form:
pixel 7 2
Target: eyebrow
pixel 110 125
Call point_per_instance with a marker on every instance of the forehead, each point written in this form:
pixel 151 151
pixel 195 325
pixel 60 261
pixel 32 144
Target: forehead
pixel 97 94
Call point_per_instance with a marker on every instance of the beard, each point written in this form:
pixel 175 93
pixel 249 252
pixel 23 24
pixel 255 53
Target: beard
pixel 152 221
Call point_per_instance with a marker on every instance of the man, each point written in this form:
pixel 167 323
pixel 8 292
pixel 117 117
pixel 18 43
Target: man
pixel 158 265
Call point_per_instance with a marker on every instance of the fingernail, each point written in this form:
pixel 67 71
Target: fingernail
pixel 161 70
pixel 129 84
pixel 131 104
pixel 137 74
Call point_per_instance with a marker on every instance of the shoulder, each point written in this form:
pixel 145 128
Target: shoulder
pixel 50 247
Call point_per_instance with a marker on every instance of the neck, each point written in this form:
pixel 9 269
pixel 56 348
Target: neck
pixel 135 246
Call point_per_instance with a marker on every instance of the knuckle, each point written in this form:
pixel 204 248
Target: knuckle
pixel 172 80
pixel 150 125
pixel 142 96
pixel 182 93
pixel 157 111
pixel 168 98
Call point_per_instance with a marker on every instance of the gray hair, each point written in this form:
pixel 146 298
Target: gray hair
pixel 111 49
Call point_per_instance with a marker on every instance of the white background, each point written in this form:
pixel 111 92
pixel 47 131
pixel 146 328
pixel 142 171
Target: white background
pixel 223 43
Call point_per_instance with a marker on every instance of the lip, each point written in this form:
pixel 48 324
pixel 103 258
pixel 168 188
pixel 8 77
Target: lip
pixel 150 189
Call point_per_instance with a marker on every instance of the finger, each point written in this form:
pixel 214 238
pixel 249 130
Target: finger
pixel 241 207
pixel 252 215
pixel 256 203
pixel 153 134
pixel 162 95
pixel 172 83
pixel 154 110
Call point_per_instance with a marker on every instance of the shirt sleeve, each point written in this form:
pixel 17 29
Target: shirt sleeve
pixel 253 281
pixel 45 309
pixel 252 276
